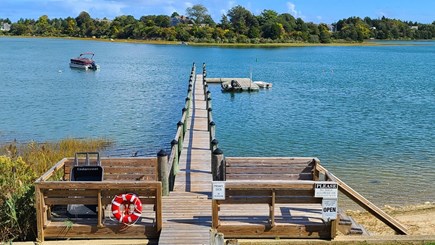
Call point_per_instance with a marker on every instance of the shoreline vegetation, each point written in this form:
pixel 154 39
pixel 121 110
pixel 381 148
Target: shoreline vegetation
pixel 20 166
pixel 239 27
pixel 369 43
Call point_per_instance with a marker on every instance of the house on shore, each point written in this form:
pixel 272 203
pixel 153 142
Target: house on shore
pixel 5 26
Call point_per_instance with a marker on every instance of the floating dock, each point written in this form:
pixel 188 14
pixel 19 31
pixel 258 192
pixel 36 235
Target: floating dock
pixel 246 84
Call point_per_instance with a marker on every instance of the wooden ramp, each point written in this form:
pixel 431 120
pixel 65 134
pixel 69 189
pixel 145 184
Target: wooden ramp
pixel 187 210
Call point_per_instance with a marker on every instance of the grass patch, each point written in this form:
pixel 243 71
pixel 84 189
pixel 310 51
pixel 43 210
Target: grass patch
pixel 20 165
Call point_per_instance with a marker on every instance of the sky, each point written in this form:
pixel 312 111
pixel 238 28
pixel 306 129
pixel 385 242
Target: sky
pixel 317 11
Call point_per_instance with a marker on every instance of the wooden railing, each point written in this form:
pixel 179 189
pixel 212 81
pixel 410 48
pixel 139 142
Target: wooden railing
pixel 211 124
pixel 168 167
pixel 277 182
pixel 242 174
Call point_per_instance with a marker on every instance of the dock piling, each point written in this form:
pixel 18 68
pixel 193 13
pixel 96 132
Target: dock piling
pixel 162 161
pixel 217 165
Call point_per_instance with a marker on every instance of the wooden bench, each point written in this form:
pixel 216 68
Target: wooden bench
pixel 121 175
pixel 270 197
pixel 272 168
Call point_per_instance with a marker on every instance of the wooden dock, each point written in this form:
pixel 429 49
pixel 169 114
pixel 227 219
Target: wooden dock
pixel 264 197
pixel 187 209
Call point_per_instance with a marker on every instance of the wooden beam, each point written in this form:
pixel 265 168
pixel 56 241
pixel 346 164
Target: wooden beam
pixel 52 170
pixel 215 214
pixel 39 213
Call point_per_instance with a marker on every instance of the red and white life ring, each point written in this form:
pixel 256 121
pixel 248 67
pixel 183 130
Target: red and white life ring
pixel 126 208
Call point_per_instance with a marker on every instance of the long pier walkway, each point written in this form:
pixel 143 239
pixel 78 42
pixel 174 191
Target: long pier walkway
pixel 187 209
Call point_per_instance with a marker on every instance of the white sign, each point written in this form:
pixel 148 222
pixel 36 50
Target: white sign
pixel 326 189
pixel 329 209
pixel 218 190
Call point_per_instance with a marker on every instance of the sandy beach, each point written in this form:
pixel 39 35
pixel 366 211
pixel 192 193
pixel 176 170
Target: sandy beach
pixel 418 219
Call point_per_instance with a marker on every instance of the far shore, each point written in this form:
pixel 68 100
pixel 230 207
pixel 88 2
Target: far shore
pixel 242 45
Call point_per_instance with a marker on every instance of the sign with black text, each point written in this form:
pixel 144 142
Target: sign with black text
pixel 329 209
pixel 326 189
pixel 218 190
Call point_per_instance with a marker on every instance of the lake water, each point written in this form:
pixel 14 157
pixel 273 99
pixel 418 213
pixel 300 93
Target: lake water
pixel 367 113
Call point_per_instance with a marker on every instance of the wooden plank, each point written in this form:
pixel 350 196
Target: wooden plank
pixel 270 184
pixel 266 176
pixel 70 200
pixel 39 213
pixel 52 170
pixel 240 161
pixel 278 231
pixel 269 169
pixel 96 185
pixel 279 199
pixel 61 230
pixel 130 177
pixel 255 192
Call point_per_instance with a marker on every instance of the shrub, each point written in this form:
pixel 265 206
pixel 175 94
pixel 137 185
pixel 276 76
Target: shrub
pixel 17 212
pixel 19 167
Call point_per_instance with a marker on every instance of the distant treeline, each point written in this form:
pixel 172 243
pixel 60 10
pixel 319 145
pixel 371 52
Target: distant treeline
pixel 239 25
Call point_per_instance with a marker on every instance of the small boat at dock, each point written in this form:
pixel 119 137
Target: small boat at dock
pixel 239 85
pixel 84 61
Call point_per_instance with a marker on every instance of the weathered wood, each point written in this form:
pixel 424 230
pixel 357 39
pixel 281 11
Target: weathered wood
pixel 52 170
pixel 216 165
pixel 276 176
pixel 113 166
pixel 97 185
pixel 60 230
pixel 162 159
pixel 277 231
pixel 100 193
pixel 39 213
pixel 270 160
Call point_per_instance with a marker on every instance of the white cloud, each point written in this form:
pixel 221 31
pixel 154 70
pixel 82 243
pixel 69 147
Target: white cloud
pixel 292 10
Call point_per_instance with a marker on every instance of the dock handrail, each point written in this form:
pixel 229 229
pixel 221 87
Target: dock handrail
pixel 169 172
pixel 211 124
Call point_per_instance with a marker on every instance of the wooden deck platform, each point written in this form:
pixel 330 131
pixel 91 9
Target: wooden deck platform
pixel 264 197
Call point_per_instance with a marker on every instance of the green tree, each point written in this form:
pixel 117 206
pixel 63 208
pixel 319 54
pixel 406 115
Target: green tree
pixel 324 34
pixel 267 16
pixel 243 22
pixel 174 14
pixel 162 21
pixel 43 28
pixel 86 24
pixel 272 30
pixel 182 34
pixel 288 22
pixel 198 13
pixel 225 23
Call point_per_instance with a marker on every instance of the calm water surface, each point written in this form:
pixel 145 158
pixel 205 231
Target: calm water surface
pixel 367 113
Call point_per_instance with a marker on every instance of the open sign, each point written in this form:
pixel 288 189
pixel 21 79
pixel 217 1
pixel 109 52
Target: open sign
pixel 329 209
